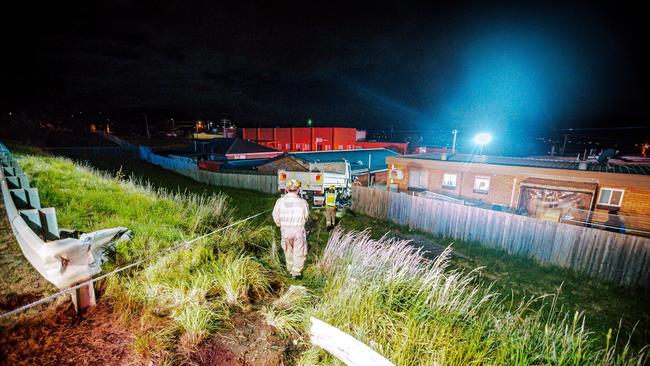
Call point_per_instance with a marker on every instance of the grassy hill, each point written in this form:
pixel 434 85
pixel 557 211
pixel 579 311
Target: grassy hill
pixel 183 306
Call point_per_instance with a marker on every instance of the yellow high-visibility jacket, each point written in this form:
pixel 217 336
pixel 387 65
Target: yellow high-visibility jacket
pixel 330 199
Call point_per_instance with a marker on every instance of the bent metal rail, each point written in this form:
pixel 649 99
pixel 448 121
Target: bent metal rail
pixel 65 258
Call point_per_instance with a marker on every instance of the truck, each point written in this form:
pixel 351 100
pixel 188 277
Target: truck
pixel 317 179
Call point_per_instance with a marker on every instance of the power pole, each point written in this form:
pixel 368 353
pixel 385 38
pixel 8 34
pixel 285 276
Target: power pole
pixel 224 121
pixel 453 146
pixel 369 162
pixel 391 133
pixel 564 144
pixel 146 124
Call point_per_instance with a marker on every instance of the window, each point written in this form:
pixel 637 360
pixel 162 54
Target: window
pixel 280 146
pixel 481 184
pixel 611 197
pixel 288 146
pixel 418 178
pixel 340 147
pixel 449 181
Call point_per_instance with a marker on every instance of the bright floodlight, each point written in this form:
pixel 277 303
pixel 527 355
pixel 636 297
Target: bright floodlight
pixel 482 138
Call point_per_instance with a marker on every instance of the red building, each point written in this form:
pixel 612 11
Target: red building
pixel 316 139
pixel 303 138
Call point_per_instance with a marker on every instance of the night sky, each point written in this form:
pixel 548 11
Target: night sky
pixel 504 66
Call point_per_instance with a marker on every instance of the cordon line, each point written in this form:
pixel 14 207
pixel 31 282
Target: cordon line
pixel 131 265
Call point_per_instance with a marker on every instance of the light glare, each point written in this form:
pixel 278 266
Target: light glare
pixel 482 138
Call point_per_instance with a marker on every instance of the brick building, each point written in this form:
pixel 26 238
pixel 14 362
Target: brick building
pixel 558 190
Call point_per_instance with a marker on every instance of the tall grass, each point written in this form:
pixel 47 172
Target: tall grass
pixel 286 314
pixel 418 312
pixel 177 299
pixel 383 292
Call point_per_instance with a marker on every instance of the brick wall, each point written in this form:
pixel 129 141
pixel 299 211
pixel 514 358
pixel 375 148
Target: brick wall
pixel 636 199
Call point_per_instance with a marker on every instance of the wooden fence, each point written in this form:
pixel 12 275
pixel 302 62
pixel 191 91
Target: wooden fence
pixel 187 167
pixel 619 258
pixel 256 182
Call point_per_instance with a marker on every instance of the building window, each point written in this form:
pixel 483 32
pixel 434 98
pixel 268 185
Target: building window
pixel 288 146
pixel 449 181
pixel 611 197
pixel 481 184
pixel 418 178
pixel 340 147
pixel 280 146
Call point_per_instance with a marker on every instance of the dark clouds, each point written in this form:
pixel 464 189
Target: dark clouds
pixel 265 64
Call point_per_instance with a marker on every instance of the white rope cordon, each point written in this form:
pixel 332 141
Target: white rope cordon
pixel 131 265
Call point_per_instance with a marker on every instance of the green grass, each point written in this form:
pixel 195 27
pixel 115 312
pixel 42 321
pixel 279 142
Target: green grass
pixel 516 278
pixel 244 202
pixel 512 279
pixel 184 295
pixel 417 312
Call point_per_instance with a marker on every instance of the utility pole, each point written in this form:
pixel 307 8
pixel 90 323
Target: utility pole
pixel 224 121
pixel 453 146
pixel 146 124
pixel 391 133
pixel 369 162
pixel 564 144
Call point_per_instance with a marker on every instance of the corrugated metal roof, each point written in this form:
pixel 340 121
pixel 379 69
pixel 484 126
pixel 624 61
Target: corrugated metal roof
pixel 639 169
pixel 358 158
pixel 243 164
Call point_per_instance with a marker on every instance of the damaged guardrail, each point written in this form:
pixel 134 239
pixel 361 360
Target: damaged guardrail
pixel 343 346
pixel 63 257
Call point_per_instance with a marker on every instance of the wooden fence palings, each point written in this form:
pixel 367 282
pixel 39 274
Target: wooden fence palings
pixel 255 182
pixel 622 259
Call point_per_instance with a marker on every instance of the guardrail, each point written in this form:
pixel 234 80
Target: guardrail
pixel 343 346
pixel 63 257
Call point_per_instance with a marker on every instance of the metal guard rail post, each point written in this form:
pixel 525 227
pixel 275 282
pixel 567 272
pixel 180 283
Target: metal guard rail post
pixel 60 256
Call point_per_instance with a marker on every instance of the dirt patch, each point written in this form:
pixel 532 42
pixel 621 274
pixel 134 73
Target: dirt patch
pixel 60 337
pixel 250 342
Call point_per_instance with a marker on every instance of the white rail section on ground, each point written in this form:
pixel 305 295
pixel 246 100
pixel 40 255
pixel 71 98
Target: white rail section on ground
pixel 63 257
pixel 343 346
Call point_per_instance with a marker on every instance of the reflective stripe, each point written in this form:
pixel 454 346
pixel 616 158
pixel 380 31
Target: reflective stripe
pixel 291 210
pixel 330 199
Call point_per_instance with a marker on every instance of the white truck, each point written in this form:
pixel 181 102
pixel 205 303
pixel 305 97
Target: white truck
pixel 320 177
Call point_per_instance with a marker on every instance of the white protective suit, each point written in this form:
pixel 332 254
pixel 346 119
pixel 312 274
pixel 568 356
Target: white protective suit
pixel 290 214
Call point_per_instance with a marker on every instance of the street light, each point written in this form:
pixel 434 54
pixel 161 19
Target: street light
pixel 482 139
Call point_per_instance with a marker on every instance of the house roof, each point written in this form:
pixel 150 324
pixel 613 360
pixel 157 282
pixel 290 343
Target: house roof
pixel 358 158
pixel 243 164
pixel 224 146
pixel 218 146
pixel 612 167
